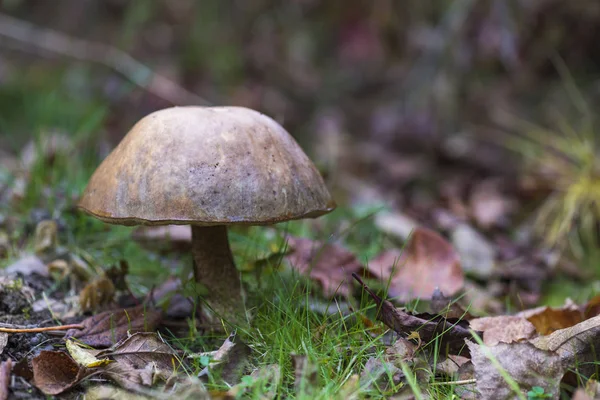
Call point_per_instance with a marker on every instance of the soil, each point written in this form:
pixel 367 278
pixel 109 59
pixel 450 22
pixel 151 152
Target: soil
pixel 15 309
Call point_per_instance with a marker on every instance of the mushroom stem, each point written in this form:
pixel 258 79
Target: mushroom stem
pixel 214 268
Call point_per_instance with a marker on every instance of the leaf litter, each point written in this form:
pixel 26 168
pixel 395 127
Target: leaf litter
pixel 427 262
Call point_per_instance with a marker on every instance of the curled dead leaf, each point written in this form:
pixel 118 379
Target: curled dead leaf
pixel 428 262
pixel 55 372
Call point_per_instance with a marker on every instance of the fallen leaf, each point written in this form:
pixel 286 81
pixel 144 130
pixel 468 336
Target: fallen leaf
pixel 477 255
pixel 109 327
pixel 427 262
pixel 526 364
pixel 5 371
pixel 503 329
pixel 140 360
pixel 488 205
pixel 451 333
pixel 141 349
pixel 328 264
pixel 575 345
pixel 547 319
pixel 84 357
pixel 55 372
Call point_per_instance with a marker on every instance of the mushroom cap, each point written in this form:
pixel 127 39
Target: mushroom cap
pixel 206 166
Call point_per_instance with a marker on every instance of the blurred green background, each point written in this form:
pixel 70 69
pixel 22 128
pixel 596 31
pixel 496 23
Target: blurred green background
pixel 405 74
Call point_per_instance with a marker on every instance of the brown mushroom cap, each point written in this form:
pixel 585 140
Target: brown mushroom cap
pixel 206 166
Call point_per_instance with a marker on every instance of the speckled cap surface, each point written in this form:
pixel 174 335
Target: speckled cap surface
pixel 206 166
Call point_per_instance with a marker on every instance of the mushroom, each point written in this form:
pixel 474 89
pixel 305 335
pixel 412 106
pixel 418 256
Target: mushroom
pixel 208 167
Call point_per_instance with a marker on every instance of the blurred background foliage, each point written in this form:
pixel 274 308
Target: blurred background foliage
pixel 392 93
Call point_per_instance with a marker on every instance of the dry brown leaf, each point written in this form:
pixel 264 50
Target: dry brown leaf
pixel 5 371
pixel 547 319
pixel 141 359
pixel 503 329
pixel 451 333
pixel 427 262
pixel 109 327
pixel 55 372
pixel 576 344
pixel 527 365
pixel 328 264
pixel 140 349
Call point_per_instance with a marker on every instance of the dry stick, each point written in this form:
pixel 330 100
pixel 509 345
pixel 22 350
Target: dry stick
pixel 44 329
pixel 109 56
pixel 463 382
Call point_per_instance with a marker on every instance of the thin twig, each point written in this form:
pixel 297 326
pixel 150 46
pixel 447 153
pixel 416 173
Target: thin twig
pixel 463 382
pixel 43 329
pixel 100 53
